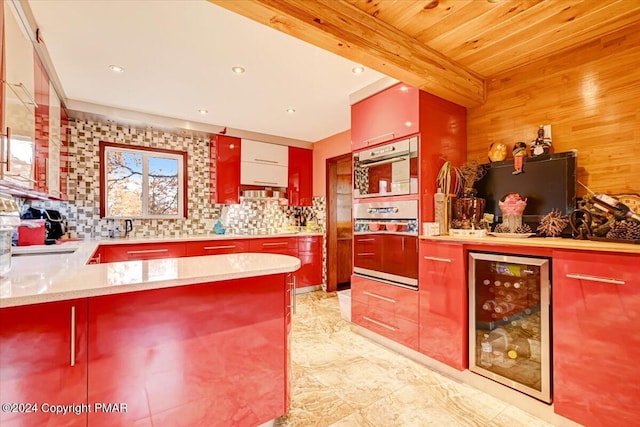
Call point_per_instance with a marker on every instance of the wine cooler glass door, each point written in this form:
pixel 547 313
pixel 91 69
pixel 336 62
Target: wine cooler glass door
pixel 509 321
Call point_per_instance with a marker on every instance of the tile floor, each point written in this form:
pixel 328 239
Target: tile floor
pixel 343 379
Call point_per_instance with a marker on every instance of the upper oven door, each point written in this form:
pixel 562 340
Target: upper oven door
pixel 386 170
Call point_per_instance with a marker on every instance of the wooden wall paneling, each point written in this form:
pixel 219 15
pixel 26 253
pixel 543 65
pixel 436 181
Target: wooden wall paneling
pixel 590 94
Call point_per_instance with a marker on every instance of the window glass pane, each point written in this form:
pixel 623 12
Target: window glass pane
pixel 163 186
pixel 124 183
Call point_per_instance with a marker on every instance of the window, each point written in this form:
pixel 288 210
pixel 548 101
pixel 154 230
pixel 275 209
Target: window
pixel 139 182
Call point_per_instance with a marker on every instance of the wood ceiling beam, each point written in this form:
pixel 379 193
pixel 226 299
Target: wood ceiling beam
pixel 345 30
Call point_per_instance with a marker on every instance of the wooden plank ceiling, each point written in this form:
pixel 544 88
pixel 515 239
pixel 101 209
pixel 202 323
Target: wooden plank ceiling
pixel 446 47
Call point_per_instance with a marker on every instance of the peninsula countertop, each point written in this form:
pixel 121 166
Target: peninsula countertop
pixel 62 276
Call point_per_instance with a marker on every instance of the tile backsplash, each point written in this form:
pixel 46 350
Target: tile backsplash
pixel 82 211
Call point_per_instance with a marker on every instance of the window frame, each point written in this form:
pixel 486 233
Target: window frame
pixel 182 202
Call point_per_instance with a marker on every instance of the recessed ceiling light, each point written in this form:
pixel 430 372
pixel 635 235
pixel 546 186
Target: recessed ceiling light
pixel 404 88
pixel 357 70
pixel 290 110
pixel 203 111
pixel 237 69
pixel 116 68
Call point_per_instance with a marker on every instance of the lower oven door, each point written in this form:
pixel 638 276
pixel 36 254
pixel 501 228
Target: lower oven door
pixel 389 257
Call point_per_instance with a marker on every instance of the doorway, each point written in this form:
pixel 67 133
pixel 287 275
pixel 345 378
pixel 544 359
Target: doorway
pixel 339 223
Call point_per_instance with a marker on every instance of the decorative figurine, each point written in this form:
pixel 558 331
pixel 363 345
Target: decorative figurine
pixel 519 153
pixel 497 152
pixel 541 145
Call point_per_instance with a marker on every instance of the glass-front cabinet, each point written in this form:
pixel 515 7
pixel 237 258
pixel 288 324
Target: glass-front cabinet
pixel 509 321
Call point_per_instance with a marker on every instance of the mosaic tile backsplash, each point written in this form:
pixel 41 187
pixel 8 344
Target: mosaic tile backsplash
pixel 255 216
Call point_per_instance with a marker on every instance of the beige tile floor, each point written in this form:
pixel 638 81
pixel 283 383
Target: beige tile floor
pixel 343 379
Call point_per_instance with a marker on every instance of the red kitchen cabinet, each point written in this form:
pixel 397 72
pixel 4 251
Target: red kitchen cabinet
pixel 226 157
pixel 400 255
pixel 43 360
pixel 388 310
pixel 387 115
pixel 367 251
pixel 216 247
pixel 201 355
pixel 310 255
pixel 596 311
pixel 300 181
pixel 142 251
pixel 443 303
pixel 275 245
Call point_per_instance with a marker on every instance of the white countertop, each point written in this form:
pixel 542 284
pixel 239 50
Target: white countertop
pixel 59 276
pixel 542 242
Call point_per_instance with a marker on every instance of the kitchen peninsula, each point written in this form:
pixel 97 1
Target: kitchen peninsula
pixel 199 340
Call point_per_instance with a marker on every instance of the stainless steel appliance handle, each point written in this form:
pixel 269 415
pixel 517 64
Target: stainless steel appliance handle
pixel 382 162
pixel 73 336
pixel 208 248
pixel 590 278
pixel 147 251
pixel 384 325
pixel 371 294
pixel 433 258
pixel 368 141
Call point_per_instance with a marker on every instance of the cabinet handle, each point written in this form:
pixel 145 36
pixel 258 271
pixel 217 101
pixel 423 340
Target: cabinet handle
pixel 365 240
pixel 266 161
pixel 265 182
pixel 8 158
pixel 371 294
pixel 276 244
pixel 219 247
pixel 148 251
pixel 73 336
pixel 384 325
pixel 293 293
pixel 46 172
pixel 365 253
pixel 595 279
pixel 403 244
pixel 368 141
pixel 433 258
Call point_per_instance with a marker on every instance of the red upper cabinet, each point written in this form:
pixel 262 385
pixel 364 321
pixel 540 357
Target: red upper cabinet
pixel 443 137
pixel 596 310
pixel 385 116
pixel 43 360
pixel 225 153
pixel 300 187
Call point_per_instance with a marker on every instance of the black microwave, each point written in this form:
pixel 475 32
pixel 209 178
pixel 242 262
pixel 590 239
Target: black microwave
pixel 386 170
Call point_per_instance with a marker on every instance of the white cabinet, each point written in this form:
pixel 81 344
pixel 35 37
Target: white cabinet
pixel 263 164
pixel 55 143
pixel 18 145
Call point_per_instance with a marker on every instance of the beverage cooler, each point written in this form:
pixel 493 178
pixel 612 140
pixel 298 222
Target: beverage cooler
pixel 509 321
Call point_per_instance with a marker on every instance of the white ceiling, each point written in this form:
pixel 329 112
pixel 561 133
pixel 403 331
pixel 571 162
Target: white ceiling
pixel 178 56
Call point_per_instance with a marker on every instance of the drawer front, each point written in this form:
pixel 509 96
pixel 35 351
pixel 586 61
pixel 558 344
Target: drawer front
pixel 263 174
pixel 393 300
pixel 394 327
pixel 113 253
pixel 217 247
pixel 310 244
pixel 286 245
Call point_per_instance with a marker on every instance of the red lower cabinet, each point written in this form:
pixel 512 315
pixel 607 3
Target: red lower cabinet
pixel 310 255
pixel 596 311
pixel 443 303
pixel 43 364
pixel 202 355
pixel 388 310
pixel 216 247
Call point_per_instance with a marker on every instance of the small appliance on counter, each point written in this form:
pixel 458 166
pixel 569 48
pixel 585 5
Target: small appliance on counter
pixel 55 225
pixel 9 220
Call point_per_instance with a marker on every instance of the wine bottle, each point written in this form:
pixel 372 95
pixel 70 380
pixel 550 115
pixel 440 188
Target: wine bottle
pixel 614 206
